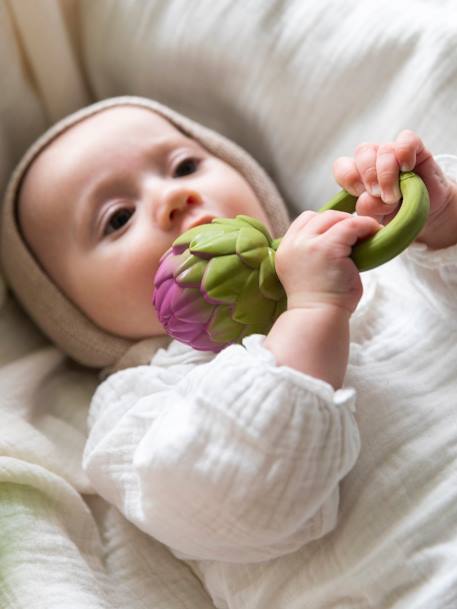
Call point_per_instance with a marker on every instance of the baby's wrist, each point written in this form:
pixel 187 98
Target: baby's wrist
pixel 442 232
pixel 318 314
pixel 312 340
pixel 328 305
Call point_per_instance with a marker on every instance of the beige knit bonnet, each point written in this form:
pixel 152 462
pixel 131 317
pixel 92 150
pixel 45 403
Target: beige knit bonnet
pixel 64 323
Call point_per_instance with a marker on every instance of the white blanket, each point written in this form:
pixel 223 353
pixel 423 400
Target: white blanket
pixel 295 83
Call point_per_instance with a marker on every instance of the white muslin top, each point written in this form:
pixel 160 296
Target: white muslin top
pixel 280 492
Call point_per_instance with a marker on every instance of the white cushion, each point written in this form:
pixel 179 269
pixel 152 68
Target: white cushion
pixel 22 116
pixel 296 83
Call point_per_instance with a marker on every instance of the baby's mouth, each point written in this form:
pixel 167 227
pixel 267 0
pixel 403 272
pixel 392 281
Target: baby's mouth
pixel 203 219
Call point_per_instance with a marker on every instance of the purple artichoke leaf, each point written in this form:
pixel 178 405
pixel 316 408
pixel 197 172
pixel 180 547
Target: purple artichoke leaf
pixel 161 296
pixel 190 271
pixel 192 307
pixel 183 331
pixel 204 343
pixel 167 295
pixel 167 267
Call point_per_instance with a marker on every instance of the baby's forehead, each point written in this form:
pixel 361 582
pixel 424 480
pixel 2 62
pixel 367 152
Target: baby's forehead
pixel 118 125
pixel 128 115
pixel 127 122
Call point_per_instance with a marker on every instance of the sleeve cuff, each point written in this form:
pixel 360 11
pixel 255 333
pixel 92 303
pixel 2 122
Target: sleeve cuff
pixel 448 163
pixel 425 257
pixel 340 397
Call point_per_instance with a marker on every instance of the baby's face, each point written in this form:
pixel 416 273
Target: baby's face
pixel 104 201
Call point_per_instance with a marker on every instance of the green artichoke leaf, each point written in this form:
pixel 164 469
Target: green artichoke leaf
pixel 251 306
pixel 269 283
pixel 194 234
pixel 230 223
pixel 214 244
pixel 222 328
pixel 191 269
pixel 224 278
pixel 256 328
pixel 264 328
pixel 251 246
pixel 257 224
pixel 281 306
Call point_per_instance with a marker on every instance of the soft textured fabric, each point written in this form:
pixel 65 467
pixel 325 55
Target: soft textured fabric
pixel 222 459
pixel 296 84
pixel 234 462
pixel 61 545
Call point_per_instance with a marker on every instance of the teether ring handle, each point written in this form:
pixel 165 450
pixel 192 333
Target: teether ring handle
pixel 401 231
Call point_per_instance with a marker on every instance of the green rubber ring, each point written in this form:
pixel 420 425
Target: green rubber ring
pixel 391 240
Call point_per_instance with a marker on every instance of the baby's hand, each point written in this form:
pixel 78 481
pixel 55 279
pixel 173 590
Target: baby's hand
pixel 373 175
pixel 312 261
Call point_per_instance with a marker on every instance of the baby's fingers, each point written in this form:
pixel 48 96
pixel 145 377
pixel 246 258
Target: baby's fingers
pixel 368 205
pixel 409 150
pixel 365 160
pixel 388 173
pixel 347 175
pixel 343 235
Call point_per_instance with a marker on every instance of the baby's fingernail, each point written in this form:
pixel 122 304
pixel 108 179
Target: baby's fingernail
pixel 392 197
pixel 375 190
pixel 404 168
pixel 358 188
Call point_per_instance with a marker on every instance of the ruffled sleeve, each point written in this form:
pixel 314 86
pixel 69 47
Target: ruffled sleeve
pixel 232 459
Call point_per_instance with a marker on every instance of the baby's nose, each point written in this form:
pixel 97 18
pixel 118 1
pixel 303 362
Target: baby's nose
pixel 178 201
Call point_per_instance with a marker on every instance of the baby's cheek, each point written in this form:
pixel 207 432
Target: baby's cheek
pixel 232 193
pixel 248 204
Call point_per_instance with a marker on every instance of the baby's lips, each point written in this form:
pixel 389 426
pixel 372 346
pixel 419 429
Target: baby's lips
pixel 203 219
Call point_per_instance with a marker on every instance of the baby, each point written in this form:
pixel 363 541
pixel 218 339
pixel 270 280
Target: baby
pixel 252 465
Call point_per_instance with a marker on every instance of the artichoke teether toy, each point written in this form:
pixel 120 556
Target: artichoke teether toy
pixel 217 283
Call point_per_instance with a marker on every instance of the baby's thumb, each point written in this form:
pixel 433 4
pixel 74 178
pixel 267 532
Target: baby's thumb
pixel 354 229
pixel 366 227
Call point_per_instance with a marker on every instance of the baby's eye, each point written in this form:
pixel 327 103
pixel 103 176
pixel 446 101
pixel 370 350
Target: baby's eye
pixel 185 167
pixel 118 219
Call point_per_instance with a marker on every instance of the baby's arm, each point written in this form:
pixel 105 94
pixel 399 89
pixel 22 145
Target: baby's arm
pixel 323 288
pixel 235 459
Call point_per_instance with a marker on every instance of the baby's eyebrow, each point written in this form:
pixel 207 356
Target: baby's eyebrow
pixel 154 153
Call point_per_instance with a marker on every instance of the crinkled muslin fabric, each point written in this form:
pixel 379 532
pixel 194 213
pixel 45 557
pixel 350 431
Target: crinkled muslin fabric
pixel 65 324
